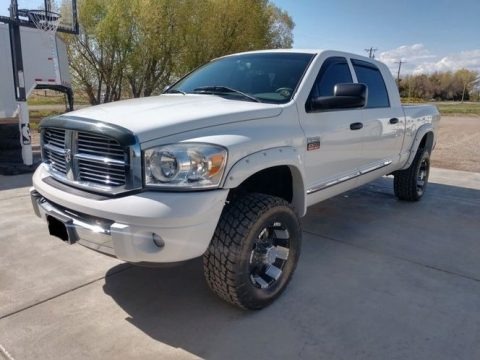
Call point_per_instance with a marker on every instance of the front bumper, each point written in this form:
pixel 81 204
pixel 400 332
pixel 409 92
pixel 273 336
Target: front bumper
pixel 126 227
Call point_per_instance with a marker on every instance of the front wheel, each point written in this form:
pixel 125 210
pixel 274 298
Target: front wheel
pixel 254 251
pixel 410 184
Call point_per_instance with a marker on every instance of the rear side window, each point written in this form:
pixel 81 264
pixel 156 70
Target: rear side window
pixel 334 71
pixel 371 76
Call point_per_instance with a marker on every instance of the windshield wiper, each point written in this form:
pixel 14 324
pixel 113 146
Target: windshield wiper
pixel 175 91
pixel 223 90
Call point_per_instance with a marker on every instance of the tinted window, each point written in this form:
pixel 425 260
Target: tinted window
pixel 270 77
pixel 369 75
pixel 334 71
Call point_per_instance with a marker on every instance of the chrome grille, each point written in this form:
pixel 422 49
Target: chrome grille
pixel 100 146
pixel 85 159
pixel 54 149
pixel 100 160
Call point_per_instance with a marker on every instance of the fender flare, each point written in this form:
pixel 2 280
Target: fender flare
pixel 421 132
pixel 269 158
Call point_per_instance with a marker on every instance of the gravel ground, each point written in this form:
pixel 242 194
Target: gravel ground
pixel 458 145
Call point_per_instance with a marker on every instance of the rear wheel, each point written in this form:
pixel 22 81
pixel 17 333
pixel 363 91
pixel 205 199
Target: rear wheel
pixel 254 251
pixel 410 184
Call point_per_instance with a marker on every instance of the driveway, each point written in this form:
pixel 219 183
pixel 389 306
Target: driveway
pixel 377 279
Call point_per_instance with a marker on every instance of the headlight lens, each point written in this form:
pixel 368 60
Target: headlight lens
pixel 185 165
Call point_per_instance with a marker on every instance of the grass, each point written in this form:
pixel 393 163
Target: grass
pixel 46 100
pixel 456 108
pixel 37 115
pixel 44 113
pixel 49 97
pixel 449 107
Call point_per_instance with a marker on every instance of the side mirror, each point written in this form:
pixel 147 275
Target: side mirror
pixel 345 96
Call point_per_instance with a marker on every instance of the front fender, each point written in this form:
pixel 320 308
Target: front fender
pixel 268 158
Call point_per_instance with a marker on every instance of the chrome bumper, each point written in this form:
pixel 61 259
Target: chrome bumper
pixel 151 226
pixel 88 231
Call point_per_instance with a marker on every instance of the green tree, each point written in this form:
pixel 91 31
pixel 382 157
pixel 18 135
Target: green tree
pixel 280 27
pixel 155 47
pixel 98 54
pixel 467 79
pixel 220 27
pixel 440 85
pixel 137 47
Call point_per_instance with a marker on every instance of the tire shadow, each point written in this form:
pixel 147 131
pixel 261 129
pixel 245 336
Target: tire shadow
pixel 172 304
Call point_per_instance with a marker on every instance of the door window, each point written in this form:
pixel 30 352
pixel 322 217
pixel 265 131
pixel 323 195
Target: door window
pixel 334 71
pixel 371 76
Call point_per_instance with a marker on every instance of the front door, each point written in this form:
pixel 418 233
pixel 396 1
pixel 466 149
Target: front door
pixel 334 142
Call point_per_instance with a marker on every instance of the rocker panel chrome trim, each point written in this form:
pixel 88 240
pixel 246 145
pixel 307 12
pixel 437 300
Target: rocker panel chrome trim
pixel 351 176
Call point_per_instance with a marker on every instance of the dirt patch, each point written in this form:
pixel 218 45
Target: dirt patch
pixel 458 144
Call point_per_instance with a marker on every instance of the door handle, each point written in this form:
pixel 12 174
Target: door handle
pixel 356 126
pixel 393 121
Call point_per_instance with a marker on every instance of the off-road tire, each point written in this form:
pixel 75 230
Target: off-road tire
pixel 236 243
pixel 410 184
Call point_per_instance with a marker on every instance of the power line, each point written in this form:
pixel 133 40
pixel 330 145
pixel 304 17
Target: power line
pixel 371 52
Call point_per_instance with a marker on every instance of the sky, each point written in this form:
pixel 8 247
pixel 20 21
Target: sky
pixel 429 35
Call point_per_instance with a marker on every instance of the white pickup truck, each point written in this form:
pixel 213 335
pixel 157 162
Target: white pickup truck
pixel 226 162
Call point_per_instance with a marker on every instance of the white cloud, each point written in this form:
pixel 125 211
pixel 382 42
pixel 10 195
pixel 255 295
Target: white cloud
pixel 420 60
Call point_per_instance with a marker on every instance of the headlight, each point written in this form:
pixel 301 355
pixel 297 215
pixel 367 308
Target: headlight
pixel 185 165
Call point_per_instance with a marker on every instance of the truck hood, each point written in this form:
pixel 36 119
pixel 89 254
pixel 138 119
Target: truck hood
pixel 159 116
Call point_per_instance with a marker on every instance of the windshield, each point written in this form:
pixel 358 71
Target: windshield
pixel 264 77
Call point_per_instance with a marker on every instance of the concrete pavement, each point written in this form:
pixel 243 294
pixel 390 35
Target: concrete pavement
pixel 378 279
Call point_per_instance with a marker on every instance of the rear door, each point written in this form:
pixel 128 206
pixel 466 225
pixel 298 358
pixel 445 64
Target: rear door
pixel 383 119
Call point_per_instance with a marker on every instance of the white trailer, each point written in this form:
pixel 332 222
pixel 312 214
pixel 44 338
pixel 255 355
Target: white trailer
pixel 45 64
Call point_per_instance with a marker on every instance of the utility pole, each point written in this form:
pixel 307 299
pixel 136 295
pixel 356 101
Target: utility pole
pixel 399 68
pixel 371 52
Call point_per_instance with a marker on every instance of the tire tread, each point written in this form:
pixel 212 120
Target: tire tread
pixel 405 181
pixel 220 259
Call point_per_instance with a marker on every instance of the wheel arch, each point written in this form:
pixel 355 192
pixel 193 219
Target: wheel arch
pixel 275 171
pixel 424 139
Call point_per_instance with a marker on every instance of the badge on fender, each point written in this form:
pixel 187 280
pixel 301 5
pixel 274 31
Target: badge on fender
pixel 313 143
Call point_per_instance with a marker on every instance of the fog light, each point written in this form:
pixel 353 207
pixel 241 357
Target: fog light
pixel 157 240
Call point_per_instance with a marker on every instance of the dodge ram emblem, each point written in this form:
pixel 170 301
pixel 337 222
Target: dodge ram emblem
pixel 68 155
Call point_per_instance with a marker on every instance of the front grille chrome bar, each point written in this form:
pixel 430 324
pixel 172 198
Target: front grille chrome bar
pixel 99 159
